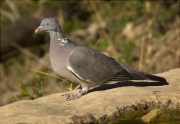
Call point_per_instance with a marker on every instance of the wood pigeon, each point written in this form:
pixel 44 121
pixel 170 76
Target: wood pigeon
pixel 83 65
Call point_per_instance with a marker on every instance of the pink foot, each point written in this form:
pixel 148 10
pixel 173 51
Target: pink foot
pixel 77 94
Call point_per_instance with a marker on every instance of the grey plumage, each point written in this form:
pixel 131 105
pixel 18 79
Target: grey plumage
pixel 84 65
pixel 91 66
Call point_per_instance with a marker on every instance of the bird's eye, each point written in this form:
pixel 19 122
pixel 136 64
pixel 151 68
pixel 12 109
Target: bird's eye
pixel 47 23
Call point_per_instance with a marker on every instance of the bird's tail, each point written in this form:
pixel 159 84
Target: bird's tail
pixel 137 75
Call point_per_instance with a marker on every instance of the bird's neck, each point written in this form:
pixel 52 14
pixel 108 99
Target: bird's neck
pixel 57 33
pixel 57 36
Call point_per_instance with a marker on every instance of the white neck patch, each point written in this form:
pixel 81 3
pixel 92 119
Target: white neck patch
pixel 63 41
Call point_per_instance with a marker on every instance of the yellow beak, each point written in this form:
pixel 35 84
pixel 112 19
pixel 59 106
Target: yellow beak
pixel 38 29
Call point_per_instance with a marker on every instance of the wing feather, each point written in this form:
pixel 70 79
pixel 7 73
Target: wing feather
pixel 88 64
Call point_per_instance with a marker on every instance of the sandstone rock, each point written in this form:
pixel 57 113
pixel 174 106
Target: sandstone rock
pixel 101 105
pixel 152 115
pixel 161 115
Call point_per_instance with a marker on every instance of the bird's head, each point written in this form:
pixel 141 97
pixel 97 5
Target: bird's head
pixel 48 24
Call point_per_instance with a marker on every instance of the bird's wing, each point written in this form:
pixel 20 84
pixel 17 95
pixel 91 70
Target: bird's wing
pixel 90 65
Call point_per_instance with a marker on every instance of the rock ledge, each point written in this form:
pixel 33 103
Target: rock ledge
pixel 101 105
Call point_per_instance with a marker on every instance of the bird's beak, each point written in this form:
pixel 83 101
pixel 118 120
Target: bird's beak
pixel 38 29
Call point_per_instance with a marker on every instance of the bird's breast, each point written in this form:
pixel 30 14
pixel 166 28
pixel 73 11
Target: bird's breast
pixel 59 59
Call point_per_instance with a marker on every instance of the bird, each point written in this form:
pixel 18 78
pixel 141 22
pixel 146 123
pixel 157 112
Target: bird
pixel 84 65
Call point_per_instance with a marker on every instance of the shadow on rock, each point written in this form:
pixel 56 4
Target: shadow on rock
pixel 127 83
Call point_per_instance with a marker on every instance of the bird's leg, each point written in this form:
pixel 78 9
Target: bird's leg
pixel 77 94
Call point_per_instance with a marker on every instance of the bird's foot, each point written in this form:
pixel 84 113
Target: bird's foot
pixel 77 94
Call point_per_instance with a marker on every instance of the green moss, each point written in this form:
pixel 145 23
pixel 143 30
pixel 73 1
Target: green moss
pixel 135 118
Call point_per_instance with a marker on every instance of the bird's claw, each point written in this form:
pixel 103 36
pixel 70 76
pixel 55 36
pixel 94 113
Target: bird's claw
pixel 77 94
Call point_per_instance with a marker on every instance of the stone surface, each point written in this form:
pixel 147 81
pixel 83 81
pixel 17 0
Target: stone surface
pixel 100 105
pixel 161 115
pixel 152 115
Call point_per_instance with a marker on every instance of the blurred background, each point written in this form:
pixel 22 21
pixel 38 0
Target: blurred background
pixel 140 34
